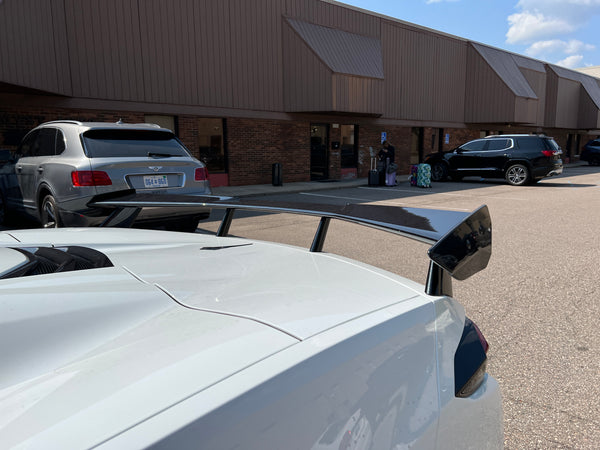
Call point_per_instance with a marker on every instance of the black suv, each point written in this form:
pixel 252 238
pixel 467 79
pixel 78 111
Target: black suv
pixel 591 152
pixel 519 158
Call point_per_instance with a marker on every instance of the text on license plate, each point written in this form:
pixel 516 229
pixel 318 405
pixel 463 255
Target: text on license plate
pixel 155 181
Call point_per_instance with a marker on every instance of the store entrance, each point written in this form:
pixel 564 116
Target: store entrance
pixel 319 155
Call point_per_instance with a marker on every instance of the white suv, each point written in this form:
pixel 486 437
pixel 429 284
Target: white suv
pixel 60 166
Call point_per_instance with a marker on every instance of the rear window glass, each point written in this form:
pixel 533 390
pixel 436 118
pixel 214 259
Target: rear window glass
pixel 499 144
pixel 131 143
pixel 536 143
pixel 551 143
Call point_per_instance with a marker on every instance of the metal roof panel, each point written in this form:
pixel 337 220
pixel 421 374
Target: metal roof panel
pixel 343 52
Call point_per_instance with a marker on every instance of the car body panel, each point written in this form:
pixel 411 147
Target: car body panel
pixel 124 375
pixel 292 289
pixel 398 416
pixel 191 340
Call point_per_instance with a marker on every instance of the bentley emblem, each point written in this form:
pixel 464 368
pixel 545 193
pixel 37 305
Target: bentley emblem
pixel 155 168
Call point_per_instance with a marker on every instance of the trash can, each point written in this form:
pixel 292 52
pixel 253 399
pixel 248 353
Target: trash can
pixel 277 177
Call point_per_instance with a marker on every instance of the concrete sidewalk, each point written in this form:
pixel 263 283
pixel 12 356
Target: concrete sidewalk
pixel 307 186
pixel 287 188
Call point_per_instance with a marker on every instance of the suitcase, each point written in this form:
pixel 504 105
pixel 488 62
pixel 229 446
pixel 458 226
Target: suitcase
pixel 414 171
pixel 373 173
pixel 424 175
pixel 420 175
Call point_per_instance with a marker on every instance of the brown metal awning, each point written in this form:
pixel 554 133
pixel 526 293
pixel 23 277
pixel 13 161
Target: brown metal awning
pixel 573 111
pixel 336 71
pixel 498 90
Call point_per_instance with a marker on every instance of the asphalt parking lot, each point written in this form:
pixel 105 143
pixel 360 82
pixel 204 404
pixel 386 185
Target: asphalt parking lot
pixel 536 303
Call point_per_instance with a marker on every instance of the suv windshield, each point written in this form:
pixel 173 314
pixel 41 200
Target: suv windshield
pixel 128 143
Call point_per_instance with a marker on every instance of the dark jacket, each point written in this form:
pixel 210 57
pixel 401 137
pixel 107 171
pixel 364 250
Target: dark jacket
pixel 390 153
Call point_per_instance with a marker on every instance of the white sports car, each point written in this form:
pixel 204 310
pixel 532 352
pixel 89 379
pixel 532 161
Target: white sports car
pixel 122 338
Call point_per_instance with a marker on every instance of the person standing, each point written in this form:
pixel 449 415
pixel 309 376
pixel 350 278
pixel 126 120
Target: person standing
pixel 387 155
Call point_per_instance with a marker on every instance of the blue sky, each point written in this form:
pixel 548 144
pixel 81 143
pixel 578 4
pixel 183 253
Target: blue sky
pixel 556 31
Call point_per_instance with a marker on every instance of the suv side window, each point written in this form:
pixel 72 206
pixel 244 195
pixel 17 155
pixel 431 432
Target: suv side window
pixel 60 142
pixel 499 144
pixel 46 142
pixel 42 142
pixel 28 144
pixel 474 146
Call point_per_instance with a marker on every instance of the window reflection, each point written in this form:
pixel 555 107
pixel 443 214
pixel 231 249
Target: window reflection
pixel 349 153
pixel 210 144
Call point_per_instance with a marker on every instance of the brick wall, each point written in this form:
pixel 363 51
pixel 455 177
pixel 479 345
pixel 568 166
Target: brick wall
pixel 254 145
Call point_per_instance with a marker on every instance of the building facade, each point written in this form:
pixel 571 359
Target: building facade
pixel 312 84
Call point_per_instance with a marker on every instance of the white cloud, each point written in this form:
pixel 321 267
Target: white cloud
pixel 527 27
pixel 574 46
pixel 571 62
pixel 549 28
pixel 540 19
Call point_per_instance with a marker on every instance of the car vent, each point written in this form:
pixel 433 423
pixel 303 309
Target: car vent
pixel 43 260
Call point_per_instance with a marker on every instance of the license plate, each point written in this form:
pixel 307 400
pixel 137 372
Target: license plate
pixel 155 181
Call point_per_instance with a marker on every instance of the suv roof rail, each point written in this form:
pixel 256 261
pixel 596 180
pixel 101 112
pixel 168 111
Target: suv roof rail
pixel 514 135
pixel 75 122
pixel 143 124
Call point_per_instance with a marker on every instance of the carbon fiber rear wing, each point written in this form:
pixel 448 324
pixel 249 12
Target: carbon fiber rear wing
pixel 461 242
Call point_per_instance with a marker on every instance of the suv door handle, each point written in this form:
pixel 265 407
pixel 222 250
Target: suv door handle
pixel 40 169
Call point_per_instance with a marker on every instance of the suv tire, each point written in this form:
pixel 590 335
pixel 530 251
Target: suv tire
pixel 517 175
pixel 439 172
pixel 49 215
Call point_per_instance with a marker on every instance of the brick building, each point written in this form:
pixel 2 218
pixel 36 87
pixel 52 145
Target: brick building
pixel 311 84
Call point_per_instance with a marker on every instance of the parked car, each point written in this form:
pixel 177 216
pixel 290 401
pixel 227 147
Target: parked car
pixel 5 157
pixel 520 159
pixel 120 338
pixel 59 166
pixel 591 152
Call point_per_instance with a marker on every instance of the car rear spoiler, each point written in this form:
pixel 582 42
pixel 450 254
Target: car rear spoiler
pixel 461 241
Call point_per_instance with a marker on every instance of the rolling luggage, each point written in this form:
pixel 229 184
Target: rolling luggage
pixel 373 173
pixel 414 170
pixel 420 175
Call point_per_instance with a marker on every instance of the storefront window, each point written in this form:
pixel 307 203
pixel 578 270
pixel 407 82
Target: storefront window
pixel 210 144
pixel 168 122
pixel 349 156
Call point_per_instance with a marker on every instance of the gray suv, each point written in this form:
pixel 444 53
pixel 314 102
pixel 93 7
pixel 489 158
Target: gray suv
pixel 61 165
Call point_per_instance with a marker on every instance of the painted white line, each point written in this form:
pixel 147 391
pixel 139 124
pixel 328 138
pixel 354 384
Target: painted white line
pixel 370 200
pixel 445 193
pixel 358 199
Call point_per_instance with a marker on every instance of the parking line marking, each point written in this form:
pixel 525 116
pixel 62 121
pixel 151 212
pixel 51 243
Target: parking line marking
pixel 444 193
pixel 338 196
pixel 370 200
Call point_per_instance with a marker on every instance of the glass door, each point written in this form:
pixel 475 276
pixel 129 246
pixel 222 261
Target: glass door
pixel 319 151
